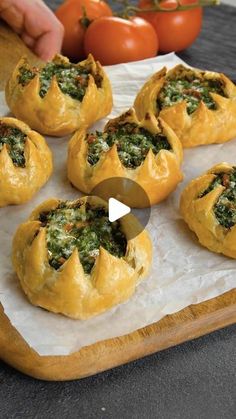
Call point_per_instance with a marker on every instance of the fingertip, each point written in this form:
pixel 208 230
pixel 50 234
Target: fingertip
pixel 61 30
pixel 44 55
pixel 28 40
pixel 44 52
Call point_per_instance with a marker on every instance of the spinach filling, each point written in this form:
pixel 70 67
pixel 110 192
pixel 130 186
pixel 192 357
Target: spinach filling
pixel 225 207
pixel 72 80
pixel 133 144
pixel 15 142
pixel 73 225
pixel 191 89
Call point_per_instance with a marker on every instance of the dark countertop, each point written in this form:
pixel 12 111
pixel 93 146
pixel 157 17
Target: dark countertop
pixel 195 380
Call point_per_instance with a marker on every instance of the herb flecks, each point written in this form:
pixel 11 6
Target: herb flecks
pixel 72 80
pixel 225 207
pixel 133 143
pixel 26 75
pixel 86 228
pixel 192 89
pixel 15 143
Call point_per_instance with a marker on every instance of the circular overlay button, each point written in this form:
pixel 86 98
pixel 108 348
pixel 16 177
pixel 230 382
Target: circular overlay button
pixel 130 194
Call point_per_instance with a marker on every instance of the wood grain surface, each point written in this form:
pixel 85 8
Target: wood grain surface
pixel 192 322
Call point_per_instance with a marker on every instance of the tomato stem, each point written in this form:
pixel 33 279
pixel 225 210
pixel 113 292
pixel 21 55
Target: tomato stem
pixel 84 20
pixel 157 7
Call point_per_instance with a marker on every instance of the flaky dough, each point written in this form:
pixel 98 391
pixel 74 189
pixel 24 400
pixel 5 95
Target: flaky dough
pixel 204 126
pixel 19 184
pixel 57 113
pixel 198 212
pixel 157 175
pixel 69 290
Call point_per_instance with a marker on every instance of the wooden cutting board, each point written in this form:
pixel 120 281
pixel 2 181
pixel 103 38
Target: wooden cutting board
pixel 192 322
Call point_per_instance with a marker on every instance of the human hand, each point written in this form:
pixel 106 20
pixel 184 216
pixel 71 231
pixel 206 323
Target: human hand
pixel 36 24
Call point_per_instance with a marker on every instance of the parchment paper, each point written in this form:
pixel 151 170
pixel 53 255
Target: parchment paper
pixel 183 272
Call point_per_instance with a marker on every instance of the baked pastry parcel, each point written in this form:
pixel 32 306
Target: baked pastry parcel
pixel 148 152
pixel 200 106
pixel 208 205
pixel 59 97
pixel 25 162
pixel 70 259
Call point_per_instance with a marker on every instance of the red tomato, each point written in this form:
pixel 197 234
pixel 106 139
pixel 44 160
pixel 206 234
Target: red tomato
pixel 70 14
pixel 175 30
pixel 114 40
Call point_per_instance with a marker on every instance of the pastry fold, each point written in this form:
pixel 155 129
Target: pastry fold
pixel 69 290
pixel 197 206
pixel 158 174
pixel 58 113
pixel 19 184
pixel 204 125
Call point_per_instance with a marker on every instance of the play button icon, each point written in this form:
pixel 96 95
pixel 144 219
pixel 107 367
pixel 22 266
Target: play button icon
pixel 116 209
pixel 120 194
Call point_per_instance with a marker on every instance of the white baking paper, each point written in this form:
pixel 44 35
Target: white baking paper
pixel 183 272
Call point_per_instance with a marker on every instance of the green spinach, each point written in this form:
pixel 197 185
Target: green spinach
pixel 87 228
pixel 192 90
pixel 72 80
pixel 225 207
pixel 15 142
pixel 133 143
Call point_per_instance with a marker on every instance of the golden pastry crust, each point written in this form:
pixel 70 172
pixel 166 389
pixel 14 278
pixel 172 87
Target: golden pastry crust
pixel 204 125
pixel 19 184
pixel 158 175
pixel 57 113
pixel 69 290
pixel 198 212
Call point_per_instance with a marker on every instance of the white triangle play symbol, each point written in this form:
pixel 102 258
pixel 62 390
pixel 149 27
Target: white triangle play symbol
pixel 116 209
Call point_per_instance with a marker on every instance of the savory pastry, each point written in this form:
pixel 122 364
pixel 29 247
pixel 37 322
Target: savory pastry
pixel 208 205
pixel 148 152
pixel 200 106
pixel 60 97
pixel 71 259
pixel 25 162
